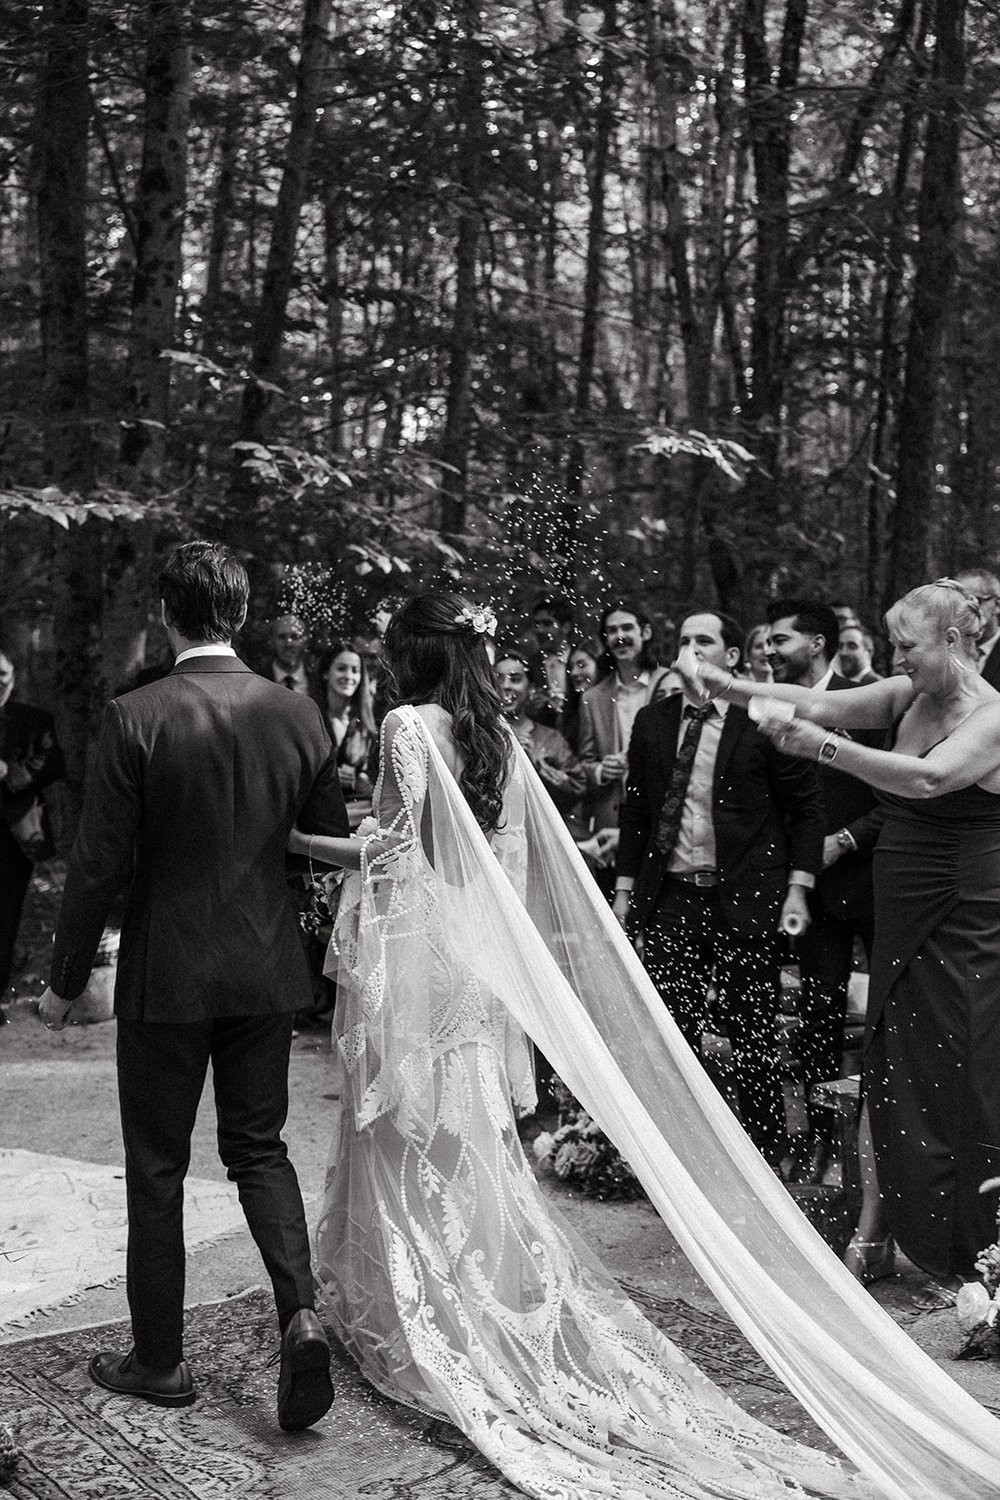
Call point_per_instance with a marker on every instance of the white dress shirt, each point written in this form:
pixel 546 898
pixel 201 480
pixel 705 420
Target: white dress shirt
pixel 695 847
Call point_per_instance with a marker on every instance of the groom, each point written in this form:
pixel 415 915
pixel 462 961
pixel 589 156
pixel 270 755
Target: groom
pixel 196 782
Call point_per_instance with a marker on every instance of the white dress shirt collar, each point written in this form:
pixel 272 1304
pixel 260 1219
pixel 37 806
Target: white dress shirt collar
pixel 213 650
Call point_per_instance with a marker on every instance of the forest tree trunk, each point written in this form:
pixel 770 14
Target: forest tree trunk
pixel 597 177
pixel 61 131
pixel 160 222
pixel 937 245
pixel 269 325
pixel 454 451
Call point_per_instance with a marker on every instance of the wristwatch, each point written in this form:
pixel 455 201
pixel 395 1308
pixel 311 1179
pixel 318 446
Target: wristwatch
pixel 845 839
pixel 828 750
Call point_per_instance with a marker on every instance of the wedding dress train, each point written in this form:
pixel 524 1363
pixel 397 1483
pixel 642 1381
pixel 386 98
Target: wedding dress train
pixel 457 1287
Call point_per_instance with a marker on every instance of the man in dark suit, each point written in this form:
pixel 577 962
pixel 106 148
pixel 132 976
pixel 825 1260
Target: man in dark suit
pixel 804 636
pixel 985 589
pixel 287 662
pixel 30 759
pixel 720 838
pixel 854 656
pixel 196 784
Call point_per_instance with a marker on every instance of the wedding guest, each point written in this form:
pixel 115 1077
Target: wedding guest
pixel 287 661
pixel 30 759
pixel 854 655
pixel 582 670
pixel 932 1044
pixel 668 685
pixel 757 662
pixel 556 764
pixel 347 705
pixel 548 667
pixel 803 637
pixel 720 837
pixel 984 586
pixel 846 615
pixel 607 713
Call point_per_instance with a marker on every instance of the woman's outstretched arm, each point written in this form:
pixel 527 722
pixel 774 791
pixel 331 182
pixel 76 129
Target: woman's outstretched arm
pixel 969 755
pixel 877 706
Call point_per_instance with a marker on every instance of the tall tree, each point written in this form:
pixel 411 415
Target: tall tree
pixel 159 217
pixel 462 337
pixel 597 165
pixel 61 139
pixel 269 324
pixel 938 223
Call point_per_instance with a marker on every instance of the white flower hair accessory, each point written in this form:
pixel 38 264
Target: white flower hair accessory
pixel 478 617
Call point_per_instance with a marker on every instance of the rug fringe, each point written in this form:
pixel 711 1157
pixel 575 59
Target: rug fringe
pixel 30 1320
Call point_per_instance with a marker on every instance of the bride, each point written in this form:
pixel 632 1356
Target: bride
pixel 469 920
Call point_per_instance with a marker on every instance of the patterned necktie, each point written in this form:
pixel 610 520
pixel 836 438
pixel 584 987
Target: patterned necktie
pixel 289 683
pixel 673 802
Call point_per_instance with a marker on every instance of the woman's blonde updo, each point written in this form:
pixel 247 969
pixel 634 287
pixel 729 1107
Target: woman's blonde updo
pixel 944 604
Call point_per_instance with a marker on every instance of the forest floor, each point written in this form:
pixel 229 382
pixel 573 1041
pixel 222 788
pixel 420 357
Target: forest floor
pixel 59 1099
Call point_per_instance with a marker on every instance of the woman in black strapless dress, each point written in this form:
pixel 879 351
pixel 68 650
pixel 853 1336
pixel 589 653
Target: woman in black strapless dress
pixel 932 1046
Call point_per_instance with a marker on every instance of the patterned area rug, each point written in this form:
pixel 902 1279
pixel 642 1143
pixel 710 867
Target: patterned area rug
pixel 62 1229
pixel 80 1443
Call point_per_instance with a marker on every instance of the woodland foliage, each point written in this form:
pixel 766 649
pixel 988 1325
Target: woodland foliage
pixel 689 300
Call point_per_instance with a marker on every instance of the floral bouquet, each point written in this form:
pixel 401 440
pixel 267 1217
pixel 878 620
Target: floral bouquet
pixel 978 1304
pixel 579 1152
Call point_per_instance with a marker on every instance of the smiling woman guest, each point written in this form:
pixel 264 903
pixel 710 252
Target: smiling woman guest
pixel 755 652
pixel 583 671
pixel 932 1045
pixel 349 714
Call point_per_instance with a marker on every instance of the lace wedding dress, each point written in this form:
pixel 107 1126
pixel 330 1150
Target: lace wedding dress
pixel 456 1286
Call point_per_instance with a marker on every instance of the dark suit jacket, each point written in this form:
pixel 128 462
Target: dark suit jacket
pixel 315 684
pixel 845 889
pixel 196 782
pixel 28 744
pixel 991 667
pixel 767 811
pixel 598 737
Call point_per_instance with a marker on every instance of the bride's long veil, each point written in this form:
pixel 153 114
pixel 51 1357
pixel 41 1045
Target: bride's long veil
pixel 522 921
pixel 573 982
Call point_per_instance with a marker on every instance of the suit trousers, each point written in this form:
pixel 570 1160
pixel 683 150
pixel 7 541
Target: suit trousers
pixel 826 958
pixel 688 944
pixel 15 876
pixel 161 1075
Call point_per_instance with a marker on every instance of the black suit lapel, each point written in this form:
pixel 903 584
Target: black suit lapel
pixel 734 726
pixel 670 725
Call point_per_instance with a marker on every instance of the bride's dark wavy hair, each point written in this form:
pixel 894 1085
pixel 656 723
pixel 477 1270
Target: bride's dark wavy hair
pixel 433 656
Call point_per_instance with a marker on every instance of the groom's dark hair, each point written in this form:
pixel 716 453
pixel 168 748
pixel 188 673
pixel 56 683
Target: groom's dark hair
pixel 205 591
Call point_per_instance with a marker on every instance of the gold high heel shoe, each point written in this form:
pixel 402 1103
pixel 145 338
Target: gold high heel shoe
pixel 870 1260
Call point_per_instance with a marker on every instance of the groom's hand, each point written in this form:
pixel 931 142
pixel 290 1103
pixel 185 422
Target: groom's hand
pixel 53 1010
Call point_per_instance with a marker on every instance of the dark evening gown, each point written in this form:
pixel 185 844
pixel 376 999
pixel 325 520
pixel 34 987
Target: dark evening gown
pixel 932 1053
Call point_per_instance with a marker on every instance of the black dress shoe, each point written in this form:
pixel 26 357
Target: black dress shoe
pixel 305 1391
pixel 123 1374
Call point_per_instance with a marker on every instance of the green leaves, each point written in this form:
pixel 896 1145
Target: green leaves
pixel 66 510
